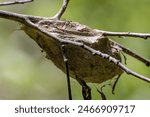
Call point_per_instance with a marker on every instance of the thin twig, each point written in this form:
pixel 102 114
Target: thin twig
pixel 28 23
pixel 125 34
pixel 116 62
pixel 101 92
pixel 114 85
pixel 19 17
pixel 62 10
pixel 67 71
pixel 15 2
pixel 86 90
pixel 93 51
pixel 133 54
pixel 125 58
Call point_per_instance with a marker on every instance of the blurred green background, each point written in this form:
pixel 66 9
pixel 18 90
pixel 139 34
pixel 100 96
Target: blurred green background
pixel 25 73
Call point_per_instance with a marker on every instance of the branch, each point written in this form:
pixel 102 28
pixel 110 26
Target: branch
pixel 93 51
pixel 126 34
pixel 62 10
pixel 100 91
pixel 67 71
pixel 114 85
pixel 19 17
pixel 116 62
pixel 86 90
pixel 133 54
pixel 27 21
pixel 15 2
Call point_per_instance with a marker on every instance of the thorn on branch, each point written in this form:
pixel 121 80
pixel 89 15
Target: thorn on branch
pixel 15 2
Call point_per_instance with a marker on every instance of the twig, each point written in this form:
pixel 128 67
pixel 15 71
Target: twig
pixel 15 2
pixel 116 62
pixel 86 90
pixel 93 51
pixel 125 58
pixel 126 34
pixel 114 85
pixel 62 10
pixel 67 71
pixel 26 20
pixel 101 92
pixel 131 53
pixel 19 17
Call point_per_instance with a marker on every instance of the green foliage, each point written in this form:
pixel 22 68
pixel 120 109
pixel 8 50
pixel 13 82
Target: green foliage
pixel 25 73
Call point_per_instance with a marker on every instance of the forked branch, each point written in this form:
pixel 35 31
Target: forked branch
pixel 93 51
pixel 15 2
pixel 62 10
pixel 26 20
pixel 131 53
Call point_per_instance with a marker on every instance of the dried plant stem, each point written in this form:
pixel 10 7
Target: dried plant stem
pixel 15 2
pixel 133 54
pixel 86 90
pixel 26 20
pixel 62 10
pixel 115 83
pixel 67 71
pixel 125 34
pixel 93 51
pixel 100 91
